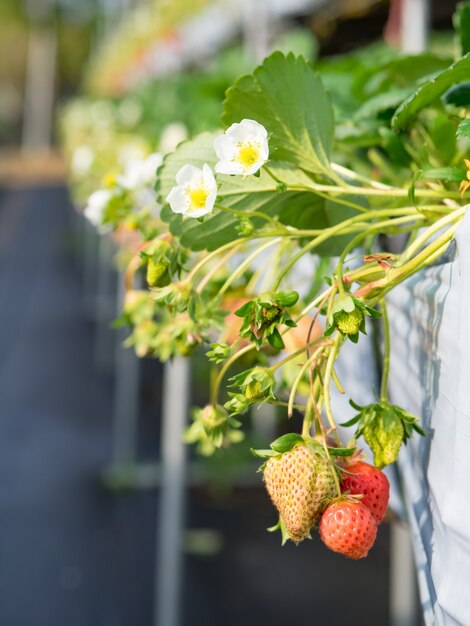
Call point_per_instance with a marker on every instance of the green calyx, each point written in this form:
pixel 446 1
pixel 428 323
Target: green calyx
pixel 211 428
pixel 263 315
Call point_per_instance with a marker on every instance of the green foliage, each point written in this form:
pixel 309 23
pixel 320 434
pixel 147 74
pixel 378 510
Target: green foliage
pixel 445 174
pixel 275 95
pixel 430 91
pixel 459 96
pixel 463 131
pixel 283 444
pixel 462 26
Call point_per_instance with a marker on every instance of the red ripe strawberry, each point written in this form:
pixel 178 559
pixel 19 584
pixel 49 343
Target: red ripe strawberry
pixel 349 528
pixel 369 481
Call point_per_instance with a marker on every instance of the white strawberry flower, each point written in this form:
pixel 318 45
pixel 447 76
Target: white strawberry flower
pixel 242 149
pixel 82 160
pixel 195 191
pixel 140 173
pixel 96 206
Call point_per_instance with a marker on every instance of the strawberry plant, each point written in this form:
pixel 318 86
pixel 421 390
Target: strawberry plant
pixel 299 175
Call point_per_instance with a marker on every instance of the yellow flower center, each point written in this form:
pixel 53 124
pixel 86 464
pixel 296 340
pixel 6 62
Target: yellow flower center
pixel 198 197
pixel 248 154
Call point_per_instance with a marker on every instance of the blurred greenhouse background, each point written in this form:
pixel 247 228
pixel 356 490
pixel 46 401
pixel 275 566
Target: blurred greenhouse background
pixel 107 518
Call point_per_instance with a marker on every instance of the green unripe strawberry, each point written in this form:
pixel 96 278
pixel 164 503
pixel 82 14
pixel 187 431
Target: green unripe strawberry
pixel 255 384
pixel 300 483
pixel 349 323
pixel 253 390
pixel 269 314
pixel 158 274
pixel 384 440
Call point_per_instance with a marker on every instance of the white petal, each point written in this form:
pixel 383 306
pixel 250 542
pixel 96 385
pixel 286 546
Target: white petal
pixel 247 130
pixel 187 174
pixel 251 169
pixel 255 127
pixel 264 150
pixel 208 177
pixel 229 167
pixel 211 200
pixel 177 200
pixel 224 147
pixel 197 212
pixel 236 132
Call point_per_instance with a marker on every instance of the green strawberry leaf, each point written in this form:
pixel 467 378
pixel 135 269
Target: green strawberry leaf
pixel 341 451
pixel 287 442
pixel 287 97
pixel 445 174
pixel 286 298
pixel 461 20
pixel 275 340
pixel 356 406
pixel 463 132
pixel 263 454
pixel 431 90
pixel 458 96
pixel 353 420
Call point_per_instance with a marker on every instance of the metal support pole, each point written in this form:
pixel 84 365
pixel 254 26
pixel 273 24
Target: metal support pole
pixel 40 83
pixel 256 28
pixel 89 260
pixel 414 26
pixel 170 522
pixel 403 584
pixel 104 305
pixel 126 396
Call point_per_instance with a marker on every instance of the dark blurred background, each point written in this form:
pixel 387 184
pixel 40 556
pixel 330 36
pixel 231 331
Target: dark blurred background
pixel 81 489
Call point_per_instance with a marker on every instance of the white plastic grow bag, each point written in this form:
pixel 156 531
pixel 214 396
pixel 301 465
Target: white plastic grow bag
pixel 430 377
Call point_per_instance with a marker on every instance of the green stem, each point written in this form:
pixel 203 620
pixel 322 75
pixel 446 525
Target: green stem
pixel 342 183
pixel 308 419
pixel 299 407
pixel 213 254
pixel 386 358
pixel 247 214
pixel 327 383
pixel 226 366
pixel 295 354
pixel 372 191
pixel 246 263
pixel 399 274
pixel 338 228
pixel 355 176
pixel 216 267
pixel 298 378
pixel 357 240
pixel 429 232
